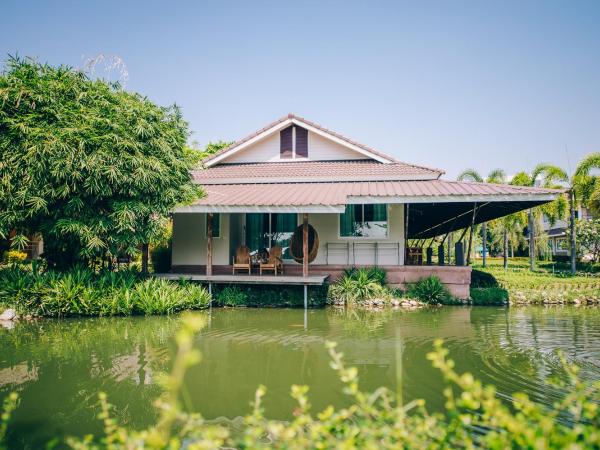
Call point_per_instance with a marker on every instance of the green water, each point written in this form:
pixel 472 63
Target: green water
pixel 59 366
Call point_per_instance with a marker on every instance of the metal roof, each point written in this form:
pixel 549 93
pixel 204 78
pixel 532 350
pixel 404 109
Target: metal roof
pixel 315 197
pixel 311 171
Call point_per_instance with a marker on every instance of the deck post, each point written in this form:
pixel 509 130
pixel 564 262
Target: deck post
pixel 305 296
pixel 209 233
pixel 305 245
pixel 305 255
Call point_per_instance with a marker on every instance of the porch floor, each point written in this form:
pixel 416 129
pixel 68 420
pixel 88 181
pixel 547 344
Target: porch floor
pixel 311 280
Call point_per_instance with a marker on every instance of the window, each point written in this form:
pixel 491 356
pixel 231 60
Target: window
pixel 264 230
pixel 368 221
pixel 216 226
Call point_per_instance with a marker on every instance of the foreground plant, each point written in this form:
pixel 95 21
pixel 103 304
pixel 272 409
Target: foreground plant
pixel 474 416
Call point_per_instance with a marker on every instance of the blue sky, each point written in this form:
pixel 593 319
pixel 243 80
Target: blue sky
pixel 445 84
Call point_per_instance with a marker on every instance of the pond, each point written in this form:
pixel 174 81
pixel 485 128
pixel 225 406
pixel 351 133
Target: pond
pixel 59 366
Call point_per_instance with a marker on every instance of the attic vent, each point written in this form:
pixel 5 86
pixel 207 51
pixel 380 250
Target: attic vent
pixel 301 142
pixel 287 149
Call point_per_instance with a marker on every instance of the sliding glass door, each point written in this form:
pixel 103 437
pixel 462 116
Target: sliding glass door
pixel 264 230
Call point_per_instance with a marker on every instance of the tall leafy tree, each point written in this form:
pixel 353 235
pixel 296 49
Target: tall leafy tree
pixel 549 176
pixel 93 168
pixel 495 176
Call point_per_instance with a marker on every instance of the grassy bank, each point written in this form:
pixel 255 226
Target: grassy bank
pixel 549 283
pixel 82 292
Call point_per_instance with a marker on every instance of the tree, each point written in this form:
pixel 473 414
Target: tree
pixel 496 176
pixel 196 156
pixel 548 176
pixel 588 237
pixel 93 168
pixel 586 185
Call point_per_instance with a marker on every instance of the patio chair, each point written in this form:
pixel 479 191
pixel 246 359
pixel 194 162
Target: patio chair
pixel 274 263
pixel 241 260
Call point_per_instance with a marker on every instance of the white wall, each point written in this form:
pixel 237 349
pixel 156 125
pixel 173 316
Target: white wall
pixel 189 240
pixel 319 149
pixel 327 226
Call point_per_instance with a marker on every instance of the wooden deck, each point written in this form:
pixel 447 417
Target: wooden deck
pixel 311 280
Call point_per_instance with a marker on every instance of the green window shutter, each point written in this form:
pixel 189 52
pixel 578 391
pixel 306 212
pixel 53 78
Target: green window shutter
pixel 347 221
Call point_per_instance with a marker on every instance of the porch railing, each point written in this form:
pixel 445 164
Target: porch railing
pixel 363 253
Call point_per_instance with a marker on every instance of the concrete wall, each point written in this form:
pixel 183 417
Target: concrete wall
pixel 189 240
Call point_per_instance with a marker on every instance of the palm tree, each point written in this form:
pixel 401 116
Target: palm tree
pixel 496 176
pixel 584 189
pixel 548 176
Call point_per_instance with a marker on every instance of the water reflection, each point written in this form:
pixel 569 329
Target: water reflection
pixel 59 366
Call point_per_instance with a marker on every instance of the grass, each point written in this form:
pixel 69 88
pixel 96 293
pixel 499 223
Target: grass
pixel 549 283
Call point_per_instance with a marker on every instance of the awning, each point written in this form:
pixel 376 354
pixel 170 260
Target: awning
pixel 436 206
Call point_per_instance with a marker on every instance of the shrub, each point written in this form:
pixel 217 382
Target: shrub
pixel 14 257
pixel 83 292
pixel 480 279
pixel 489 296
pixel 429 290
pixel 232 296
pixel 256 295
pixel 358 285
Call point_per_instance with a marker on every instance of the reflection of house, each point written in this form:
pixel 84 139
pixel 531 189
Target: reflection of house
pixel 363 204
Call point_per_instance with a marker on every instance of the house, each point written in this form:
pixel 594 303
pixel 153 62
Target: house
pixel 558 232
pixel 364 205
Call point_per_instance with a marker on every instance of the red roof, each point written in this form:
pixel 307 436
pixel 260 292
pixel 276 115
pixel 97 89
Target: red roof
pixel 307 171
pixel 337 194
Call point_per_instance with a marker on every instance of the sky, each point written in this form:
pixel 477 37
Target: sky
pixel 448 84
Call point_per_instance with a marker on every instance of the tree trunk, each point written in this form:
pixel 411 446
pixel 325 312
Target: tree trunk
pixel 450 245
pixel 572 226
pixel 531 242
pixel 505 252
pixel 145 253
pixel 484 243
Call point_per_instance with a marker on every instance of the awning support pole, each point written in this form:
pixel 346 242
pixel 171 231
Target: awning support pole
pixel 471 234
pixel 209 233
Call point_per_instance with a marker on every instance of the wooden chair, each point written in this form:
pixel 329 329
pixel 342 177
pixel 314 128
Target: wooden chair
pixel 274 263
pixel 241 260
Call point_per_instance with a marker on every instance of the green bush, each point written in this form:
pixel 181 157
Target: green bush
pixel 480 279
pixel 489 296
pixel 429 290
pixel 83 292
pixel 232 296
pixel 265 296
pixel 358 285
pixel 475 415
